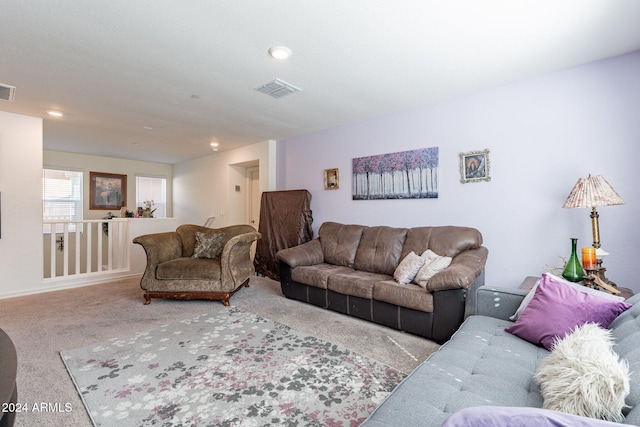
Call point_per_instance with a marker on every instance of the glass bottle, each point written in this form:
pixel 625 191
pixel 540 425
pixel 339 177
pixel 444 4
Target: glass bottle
pixel 573 271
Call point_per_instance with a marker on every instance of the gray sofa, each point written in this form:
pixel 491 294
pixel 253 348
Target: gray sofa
pixel 349 268
pixel 482 365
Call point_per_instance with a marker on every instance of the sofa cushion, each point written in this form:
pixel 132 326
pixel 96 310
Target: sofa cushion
pixel 462 373
pixel 584 376
pixel 410 295
pixel 355 283
pixel 556 309
pixel 380 249
pixel 317 275
pixel 189 268
pixel 444 240
pixel 340 242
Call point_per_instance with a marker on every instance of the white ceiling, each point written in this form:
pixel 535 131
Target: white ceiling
pixel 188 68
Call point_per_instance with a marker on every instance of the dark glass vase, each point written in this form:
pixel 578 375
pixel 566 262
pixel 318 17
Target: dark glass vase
pixel 573 271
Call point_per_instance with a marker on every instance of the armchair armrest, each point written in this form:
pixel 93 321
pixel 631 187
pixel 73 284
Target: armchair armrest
pixel 160 247
pixel 308 253
pixel 498 302
pixel 235 260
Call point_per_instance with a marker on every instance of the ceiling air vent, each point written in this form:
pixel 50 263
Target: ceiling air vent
pixel 7 93
pixel 277 89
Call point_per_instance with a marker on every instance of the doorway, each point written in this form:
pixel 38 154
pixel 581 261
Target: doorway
pixel 253 203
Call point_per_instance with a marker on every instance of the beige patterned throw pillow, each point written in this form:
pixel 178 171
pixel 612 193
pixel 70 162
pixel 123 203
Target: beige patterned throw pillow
pixel 208 245
pixel 433 264
pixel 408 268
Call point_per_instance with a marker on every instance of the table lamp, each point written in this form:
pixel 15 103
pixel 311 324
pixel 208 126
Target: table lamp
pixel 591 192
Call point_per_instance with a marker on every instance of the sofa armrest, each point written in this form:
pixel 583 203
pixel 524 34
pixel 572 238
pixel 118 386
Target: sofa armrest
pixel 308 253
pixel 462 272
pixel 498 302
pixel 160 247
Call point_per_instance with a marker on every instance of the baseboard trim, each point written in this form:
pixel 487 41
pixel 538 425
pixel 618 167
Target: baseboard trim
pixel 70 284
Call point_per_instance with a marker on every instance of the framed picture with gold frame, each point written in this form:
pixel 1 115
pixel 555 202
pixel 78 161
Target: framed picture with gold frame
pixel 474 166
pixel 331 179
pixel 107 190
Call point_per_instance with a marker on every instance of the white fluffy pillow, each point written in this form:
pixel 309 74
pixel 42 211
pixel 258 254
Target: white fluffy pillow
pixel 433 264
pixel 584 376
pixel 407 269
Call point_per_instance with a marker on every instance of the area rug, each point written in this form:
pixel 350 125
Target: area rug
pixel 230 368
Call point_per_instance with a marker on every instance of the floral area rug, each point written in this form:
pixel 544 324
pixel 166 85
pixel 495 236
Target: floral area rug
pixel 230 368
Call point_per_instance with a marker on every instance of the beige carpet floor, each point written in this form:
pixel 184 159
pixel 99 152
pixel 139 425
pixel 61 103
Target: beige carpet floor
pixel 41 325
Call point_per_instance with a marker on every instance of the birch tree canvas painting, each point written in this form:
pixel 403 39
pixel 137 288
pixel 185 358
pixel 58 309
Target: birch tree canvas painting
pixel 404 175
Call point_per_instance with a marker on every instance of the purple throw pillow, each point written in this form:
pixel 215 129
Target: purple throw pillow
pixel 556 309
pixel 503 416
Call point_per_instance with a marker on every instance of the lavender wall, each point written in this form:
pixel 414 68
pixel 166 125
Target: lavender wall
pixel 543 134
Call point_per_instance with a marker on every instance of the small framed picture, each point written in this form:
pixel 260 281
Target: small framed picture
pixel 331 179
pixel 107 190
pixel 474 166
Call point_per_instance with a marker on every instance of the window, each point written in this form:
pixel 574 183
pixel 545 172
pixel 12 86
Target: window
pixel 62 197
pixel 152 188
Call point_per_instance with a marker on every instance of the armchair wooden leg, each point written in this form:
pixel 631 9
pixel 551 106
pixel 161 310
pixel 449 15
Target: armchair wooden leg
pixel 211 295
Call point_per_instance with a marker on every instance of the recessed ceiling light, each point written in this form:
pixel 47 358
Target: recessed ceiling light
pixel 214 144
pixel 147 127
pixel 280 52
pixel 55 113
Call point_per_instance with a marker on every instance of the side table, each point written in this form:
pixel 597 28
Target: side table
pixel 530 281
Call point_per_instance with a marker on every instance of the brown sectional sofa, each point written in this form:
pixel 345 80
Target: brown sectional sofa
pixel 349 269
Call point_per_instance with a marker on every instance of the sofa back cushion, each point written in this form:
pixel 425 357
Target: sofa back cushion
pixel 340 242
pixel 444 241
pixel 380 249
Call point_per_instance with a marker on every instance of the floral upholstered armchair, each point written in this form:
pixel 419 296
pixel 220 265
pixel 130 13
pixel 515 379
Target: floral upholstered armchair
pixel 196 262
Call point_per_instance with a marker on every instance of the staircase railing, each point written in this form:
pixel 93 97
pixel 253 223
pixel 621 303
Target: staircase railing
pixel 75 249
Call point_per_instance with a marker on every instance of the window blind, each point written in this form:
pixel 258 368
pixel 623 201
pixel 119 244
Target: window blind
pixel 62 197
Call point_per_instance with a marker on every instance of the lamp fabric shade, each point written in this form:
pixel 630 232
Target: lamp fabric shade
pixel 592 191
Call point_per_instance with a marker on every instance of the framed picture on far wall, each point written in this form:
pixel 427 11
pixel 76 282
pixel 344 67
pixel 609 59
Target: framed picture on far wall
pixel 331 179
pixel 474 166
pixel 107 190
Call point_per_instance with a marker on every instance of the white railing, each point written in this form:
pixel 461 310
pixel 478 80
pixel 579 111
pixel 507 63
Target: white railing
pixel 85 248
